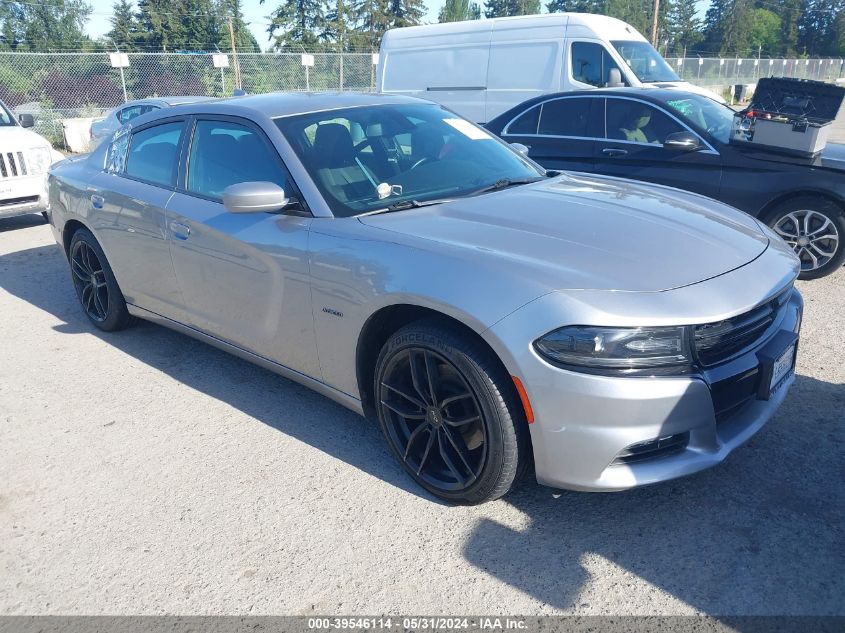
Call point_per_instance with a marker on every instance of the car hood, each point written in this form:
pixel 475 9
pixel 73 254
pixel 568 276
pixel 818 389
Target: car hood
pixel 16 137
pixel 586 232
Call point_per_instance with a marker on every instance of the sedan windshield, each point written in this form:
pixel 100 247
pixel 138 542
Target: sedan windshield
pixel 647 64
pixel 714 118
pixel 374 157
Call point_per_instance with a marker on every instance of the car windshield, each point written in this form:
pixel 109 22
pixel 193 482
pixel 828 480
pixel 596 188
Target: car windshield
pixel 715 118
pixel 369 158
pixel 647 64
pixel 6 117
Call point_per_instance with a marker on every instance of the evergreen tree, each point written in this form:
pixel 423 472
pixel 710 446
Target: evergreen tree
pixel 339 23
pixel 244 39
pixel 504 8
pixel 124 26
pixel 297 23
pixel 372 19
pixel 576 6
pixel 459 10
pixel 403 13
pixel 683 28
pixel 162 26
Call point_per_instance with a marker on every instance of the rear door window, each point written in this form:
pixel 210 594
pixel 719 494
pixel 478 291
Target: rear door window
pixel 566 117
pixel 154 153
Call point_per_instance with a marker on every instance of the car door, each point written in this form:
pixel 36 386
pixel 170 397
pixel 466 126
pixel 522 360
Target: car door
pixel 633 147
pixel 243 276
pixel 127 211
pixel 559 132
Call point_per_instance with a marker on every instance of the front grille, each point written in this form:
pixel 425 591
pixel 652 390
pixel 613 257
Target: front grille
pixel 8 202
pixel 12 164
pixel 717 342
pixel 732 394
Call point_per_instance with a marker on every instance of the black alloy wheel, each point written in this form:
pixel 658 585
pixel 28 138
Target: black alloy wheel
pixel 95 284
pixel 450 413
pixel 90 281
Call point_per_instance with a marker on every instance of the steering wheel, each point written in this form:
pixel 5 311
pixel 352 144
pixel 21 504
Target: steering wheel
pixel 423 161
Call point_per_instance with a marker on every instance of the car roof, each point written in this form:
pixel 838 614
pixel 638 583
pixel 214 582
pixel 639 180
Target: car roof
pixel 658 95
pixel 170 101
pixel 279 104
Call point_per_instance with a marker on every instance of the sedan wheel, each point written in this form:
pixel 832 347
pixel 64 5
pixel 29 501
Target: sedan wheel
pixel 90 281
pixel 96 287
pixel 448 413
pixel 815 229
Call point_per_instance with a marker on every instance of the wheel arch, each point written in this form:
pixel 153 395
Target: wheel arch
pixel 831 196
pixel 70 228
pixel 386 321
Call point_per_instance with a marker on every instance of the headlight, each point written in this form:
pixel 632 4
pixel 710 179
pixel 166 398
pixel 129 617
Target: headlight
pixel 616 348
pixel 38 160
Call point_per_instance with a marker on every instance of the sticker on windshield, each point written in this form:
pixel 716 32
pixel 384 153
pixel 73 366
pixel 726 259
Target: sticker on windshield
pixel 468 129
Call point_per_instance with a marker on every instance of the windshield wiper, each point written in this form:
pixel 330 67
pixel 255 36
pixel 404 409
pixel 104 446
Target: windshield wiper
pixel 504 183
pixel 407 204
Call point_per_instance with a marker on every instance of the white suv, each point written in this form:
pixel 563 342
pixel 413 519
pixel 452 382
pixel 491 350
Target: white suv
pixel 25 158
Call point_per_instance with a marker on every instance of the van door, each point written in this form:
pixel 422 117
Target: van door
pixel 524 63
pixel 448 67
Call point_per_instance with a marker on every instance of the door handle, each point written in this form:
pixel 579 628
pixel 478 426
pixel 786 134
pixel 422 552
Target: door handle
pixel 97 201
pixel 614 151
pixel 180 231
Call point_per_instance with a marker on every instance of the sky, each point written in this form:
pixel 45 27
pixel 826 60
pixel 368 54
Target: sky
pixel 255 14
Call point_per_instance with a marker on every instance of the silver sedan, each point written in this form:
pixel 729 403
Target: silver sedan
pixel 407 264
pixel 125 113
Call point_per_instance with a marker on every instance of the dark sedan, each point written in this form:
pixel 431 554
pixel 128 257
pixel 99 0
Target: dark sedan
pixel 681 139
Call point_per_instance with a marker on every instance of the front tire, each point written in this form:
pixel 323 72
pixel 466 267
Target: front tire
pixel 815 229
pixel 96 287
pixel 450 413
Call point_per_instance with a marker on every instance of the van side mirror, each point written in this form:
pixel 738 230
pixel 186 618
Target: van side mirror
pixel 26 120
pixel 522 149
pixel 682 142
pixel 254 197
pixel 614 78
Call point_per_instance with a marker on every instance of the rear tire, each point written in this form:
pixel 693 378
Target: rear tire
pixel 814 227
pixel 96 288
pixel 450 413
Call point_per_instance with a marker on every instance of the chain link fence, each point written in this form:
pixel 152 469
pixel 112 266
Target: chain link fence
pixel 715 71
pixel 56 86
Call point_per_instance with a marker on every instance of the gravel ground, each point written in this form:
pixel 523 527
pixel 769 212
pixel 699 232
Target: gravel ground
pixel 146 473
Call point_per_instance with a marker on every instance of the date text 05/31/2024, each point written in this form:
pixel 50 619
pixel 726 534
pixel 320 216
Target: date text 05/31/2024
pixel 418 623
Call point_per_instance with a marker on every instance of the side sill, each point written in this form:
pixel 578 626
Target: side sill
pixel 342 398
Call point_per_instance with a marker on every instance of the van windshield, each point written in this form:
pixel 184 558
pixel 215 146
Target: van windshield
pixel 6 117
pixel 647 64
pixel 376 157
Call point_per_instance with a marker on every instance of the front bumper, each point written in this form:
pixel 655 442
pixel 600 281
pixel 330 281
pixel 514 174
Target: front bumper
pixel 23 195
pixel 585 424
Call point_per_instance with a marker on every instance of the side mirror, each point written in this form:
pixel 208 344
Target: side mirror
pixel 254 197
pixel 614 78
pixel 26 120
pixel 522 149
pixel 682 142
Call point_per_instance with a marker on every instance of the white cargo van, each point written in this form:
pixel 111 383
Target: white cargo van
pixel 480 68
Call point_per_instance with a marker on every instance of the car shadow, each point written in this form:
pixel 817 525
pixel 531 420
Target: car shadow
pixel 21 222
pixel 41 277
pixel 760 534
